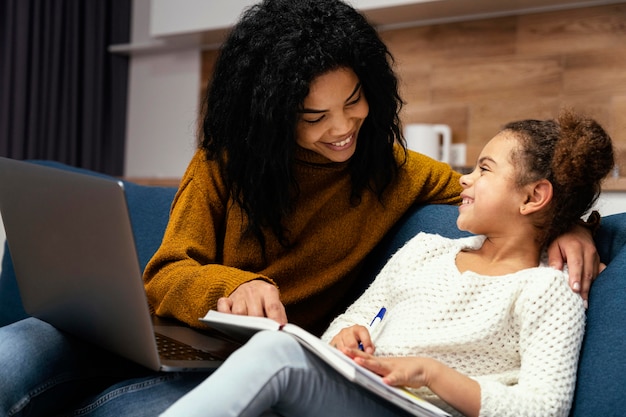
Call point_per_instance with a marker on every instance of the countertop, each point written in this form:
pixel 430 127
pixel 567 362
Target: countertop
pixel 610 184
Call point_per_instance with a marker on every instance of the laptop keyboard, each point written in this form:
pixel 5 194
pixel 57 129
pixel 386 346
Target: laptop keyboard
pixel 174 350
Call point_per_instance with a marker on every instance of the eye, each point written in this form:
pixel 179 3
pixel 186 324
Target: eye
pixel 483 168
pixel 355 101
pixel 312 122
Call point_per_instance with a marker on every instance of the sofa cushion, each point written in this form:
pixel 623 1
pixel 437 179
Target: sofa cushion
pixel 148 207
pixel 11 309
pixel 149 210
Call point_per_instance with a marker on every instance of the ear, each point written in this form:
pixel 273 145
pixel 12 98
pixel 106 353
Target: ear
pixel 539 196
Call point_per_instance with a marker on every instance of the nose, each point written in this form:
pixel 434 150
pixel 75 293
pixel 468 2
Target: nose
pixel 341 124
pixel 466 180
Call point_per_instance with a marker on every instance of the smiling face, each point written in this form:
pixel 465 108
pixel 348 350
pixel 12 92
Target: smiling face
pixel 491 198
pixel 332 114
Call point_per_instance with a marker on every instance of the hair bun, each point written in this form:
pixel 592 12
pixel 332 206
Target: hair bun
pixel 584 152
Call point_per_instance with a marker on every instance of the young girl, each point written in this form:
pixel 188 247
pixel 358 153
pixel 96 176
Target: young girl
pixel 478 325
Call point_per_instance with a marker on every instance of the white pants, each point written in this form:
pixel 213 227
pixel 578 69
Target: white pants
pixel 272 375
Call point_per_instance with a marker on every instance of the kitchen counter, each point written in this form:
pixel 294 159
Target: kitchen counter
pixel 611 184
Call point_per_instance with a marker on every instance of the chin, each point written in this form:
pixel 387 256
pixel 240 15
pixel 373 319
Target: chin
pixel 462 227
pixel 339 156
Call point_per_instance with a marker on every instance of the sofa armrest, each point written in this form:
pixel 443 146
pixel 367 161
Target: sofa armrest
pixel 611 236
pixel 11 309
pixel 602 364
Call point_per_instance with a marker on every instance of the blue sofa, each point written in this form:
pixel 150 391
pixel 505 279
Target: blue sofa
pixel 601 385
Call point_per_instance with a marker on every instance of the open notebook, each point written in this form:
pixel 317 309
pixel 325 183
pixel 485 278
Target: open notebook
pixel 243 327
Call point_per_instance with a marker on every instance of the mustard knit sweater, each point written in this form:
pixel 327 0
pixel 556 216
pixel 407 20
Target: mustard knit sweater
pixel 204 254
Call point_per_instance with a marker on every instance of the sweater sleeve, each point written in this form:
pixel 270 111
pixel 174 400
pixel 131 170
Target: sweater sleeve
pixel 435 181
pixel 185 277
pixel 551 319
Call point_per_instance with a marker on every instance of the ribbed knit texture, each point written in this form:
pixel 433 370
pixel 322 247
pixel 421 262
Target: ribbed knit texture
pixel 518 335
pixel 204 254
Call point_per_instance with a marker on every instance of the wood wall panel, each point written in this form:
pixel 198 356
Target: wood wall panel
pixel 445 43
pixel 488 118
pixel 598 72
pixel 497 79
pixel 478 75
pixel 572 30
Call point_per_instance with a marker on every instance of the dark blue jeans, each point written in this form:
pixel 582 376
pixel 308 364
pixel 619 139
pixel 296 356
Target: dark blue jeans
pixel 44 372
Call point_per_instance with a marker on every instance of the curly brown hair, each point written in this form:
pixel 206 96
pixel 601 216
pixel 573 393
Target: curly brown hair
pixel 575 154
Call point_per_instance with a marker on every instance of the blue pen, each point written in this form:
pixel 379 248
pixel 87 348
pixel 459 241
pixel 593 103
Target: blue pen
pixel 375 321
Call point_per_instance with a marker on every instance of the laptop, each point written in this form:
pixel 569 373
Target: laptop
pixel 76 265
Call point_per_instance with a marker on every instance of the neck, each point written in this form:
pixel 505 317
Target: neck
pixel 500 255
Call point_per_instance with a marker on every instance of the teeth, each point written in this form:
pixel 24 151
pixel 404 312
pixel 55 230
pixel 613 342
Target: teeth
pixel 466 201
pixel 343 142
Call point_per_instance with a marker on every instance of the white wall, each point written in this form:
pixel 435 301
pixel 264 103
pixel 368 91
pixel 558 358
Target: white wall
pixel 162 105
pixel 611 202
pixel 169 18
pixel 162 114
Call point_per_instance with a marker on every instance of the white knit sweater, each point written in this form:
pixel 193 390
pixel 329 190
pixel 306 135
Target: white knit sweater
pixel 518 335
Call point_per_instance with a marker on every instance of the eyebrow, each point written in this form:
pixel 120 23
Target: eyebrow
pixel 487 158
pixel 354 92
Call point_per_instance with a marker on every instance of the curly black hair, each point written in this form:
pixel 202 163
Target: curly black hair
pixel 575 154
pixel 261 78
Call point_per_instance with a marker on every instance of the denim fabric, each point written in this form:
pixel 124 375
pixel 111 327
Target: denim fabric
pixel 52 372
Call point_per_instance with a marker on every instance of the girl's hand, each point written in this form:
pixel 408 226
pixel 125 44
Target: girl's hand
pixel 410 371
pixel 350 338
pixel 453 387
